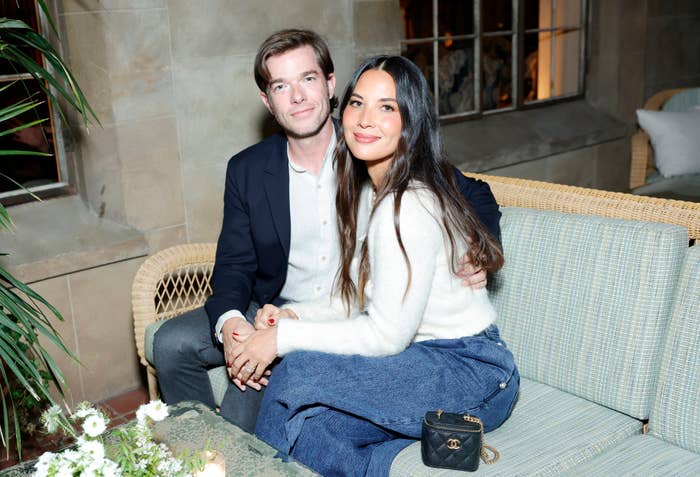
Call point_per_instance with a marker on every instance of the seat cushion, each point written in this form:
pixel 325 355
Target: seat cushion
pixel 675 412
pixel 678 188
pixel 641 455
pixel 548 432
pixel 583 302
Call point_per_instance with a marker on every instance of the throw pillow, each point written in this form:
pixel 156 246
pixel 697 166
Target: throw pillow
pixel 675 137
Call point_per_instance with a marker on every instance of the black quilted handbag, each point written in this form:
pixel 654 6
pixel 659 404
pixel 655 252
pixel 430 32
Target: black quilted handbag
pixel 454 441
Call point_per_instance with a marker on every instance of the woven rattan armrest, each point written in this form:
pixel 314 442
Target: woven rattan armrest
pixel 169 283
pixel 512 192
pixel 642 160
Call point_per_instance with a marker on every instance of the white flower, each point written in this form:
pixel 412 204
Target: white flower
pixel 156 410
pixel 94 425
pixel 93 448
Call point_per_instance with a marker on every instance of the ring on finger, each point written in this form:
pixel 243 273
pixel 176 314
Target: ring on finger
pixel 249 368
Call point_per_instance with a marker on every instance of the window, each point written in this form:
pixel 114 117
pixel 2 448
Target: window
pixel 43 175
pixel 527 52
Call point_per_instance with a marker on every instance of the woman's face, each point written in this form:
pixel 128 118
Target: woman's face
pixel 372 122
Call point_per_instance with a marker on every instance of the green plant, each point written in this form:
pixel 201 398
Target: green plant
pixel 25 317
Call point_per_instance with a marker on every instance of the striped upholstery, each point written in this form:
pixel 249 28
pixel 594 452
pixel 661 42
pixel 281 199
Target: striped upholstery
pixel 549 431
pixel 675 412
pixel 641 456
pixel 583 302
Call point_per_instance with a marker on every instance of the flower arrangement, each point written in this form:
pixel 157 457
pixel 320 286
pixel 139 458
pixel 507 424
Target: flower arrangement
pixel 129 451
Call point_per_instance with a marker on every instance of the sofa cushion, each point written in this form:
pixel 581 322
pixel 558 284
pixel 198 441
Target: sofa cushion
pixel 548 432
pixel 583 302
pixel 675 412
pixel 675 138
pixel 641 455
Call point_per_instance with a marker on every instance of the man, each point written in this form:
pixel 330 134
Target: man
pixel 263 256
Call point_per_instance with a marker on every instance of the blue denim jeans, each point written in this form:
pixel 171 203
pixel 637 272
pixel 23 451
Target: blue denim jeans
pixel 351 415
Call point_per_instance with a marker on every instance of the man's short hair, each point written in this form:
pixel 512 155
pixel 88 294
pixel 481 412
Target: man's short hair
pixel 291 39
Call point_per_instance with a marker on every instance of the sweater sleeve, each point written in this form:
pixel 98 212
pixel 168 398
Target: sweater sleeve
pixel 395 307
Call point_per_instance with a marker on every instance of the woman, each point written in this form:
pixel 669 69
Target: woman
pixel 401 336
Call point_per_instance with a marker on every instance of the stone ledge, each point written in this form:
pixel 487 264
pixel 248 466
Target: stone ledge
pixel 61 236
pixel 501 140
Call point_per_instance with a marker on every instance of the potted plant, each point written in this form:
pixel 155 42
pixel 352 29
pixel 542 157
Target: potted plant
pixel 26 319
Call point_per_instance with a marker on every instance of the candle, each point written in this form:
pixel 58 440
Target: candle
pixel 214 465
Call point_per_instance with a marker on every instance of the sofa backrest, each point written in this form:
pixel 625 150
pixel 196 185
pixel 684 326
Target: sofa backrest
pixel 583 302
pixel 675 411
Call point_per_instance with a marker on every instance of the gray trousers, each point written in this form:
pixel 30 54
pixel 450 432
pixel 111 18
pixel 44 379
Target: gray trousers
pixel 183 352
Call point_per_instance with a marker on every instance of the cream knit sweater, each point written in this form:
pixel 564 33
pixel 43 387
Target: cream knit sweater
pixel 436 305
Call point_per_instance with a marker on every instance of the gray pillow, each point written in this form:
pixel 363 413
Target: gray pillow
pixel 675 137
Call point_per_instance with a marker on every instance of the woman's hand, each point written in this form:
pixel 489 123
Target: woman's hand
pixel 269 315
pixel 471 276
pixel 254 355
pixel 235 330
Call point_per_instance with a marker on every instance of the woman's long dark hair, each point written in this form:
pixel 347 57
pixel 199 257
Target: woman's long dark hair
pixel 419 157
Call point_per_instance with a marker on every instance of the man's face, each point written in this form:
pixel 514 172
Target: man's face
pixel 298 95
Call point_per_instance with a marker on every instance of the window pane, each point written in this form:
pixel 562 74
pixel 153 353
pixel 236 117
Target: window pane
pixel 455 17
pixel 456 77
pixel 422 55
pixel 567 12
pixel 497 15
pixel 497 68
pixel 531 52
pixel 566 65
pixel 27 170
pixel 538 14
pixel 417 19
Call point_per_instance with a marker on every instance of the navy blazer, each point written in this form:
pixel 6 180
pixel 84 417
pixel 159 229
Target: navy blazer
pixel 253 247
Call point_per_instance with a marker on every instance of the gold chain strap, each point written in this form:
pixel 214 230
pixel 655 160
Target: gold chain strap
pixel 495 455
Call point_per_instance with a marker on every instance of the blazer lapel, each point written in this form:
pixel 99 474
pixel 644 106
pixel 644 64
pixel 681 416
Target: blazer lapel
pixel 276 183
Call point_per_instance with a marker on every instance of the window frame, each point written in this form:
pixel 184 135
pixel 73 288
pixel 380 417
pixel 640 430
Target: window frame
pixel 63 185
pixel 517 35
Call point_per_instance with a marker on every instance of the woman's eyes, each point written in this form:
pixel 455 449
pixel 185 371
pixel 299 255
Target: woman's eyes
pixel 388 108
pixel 355 103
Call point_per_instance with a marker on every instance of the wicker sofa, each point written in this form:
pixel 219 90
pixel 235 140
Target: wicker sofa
pixel 601 313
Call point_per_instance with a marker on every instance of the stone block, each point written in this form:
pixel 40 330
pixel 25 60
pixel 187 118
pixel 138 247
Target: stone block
pixel 218 108
pixel 56 292
pixel 141 94
pixel 204 199
pixel 101 169
pixel 101 300
pixel 165 237
pixel 576 167
pixel 153 196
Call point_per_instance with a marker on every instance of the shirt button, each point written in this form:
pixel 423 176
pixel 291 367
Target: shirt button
pixel 318 288
pixel 502 385
pixel 323 259
pixel 319 186
pixel 324 222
